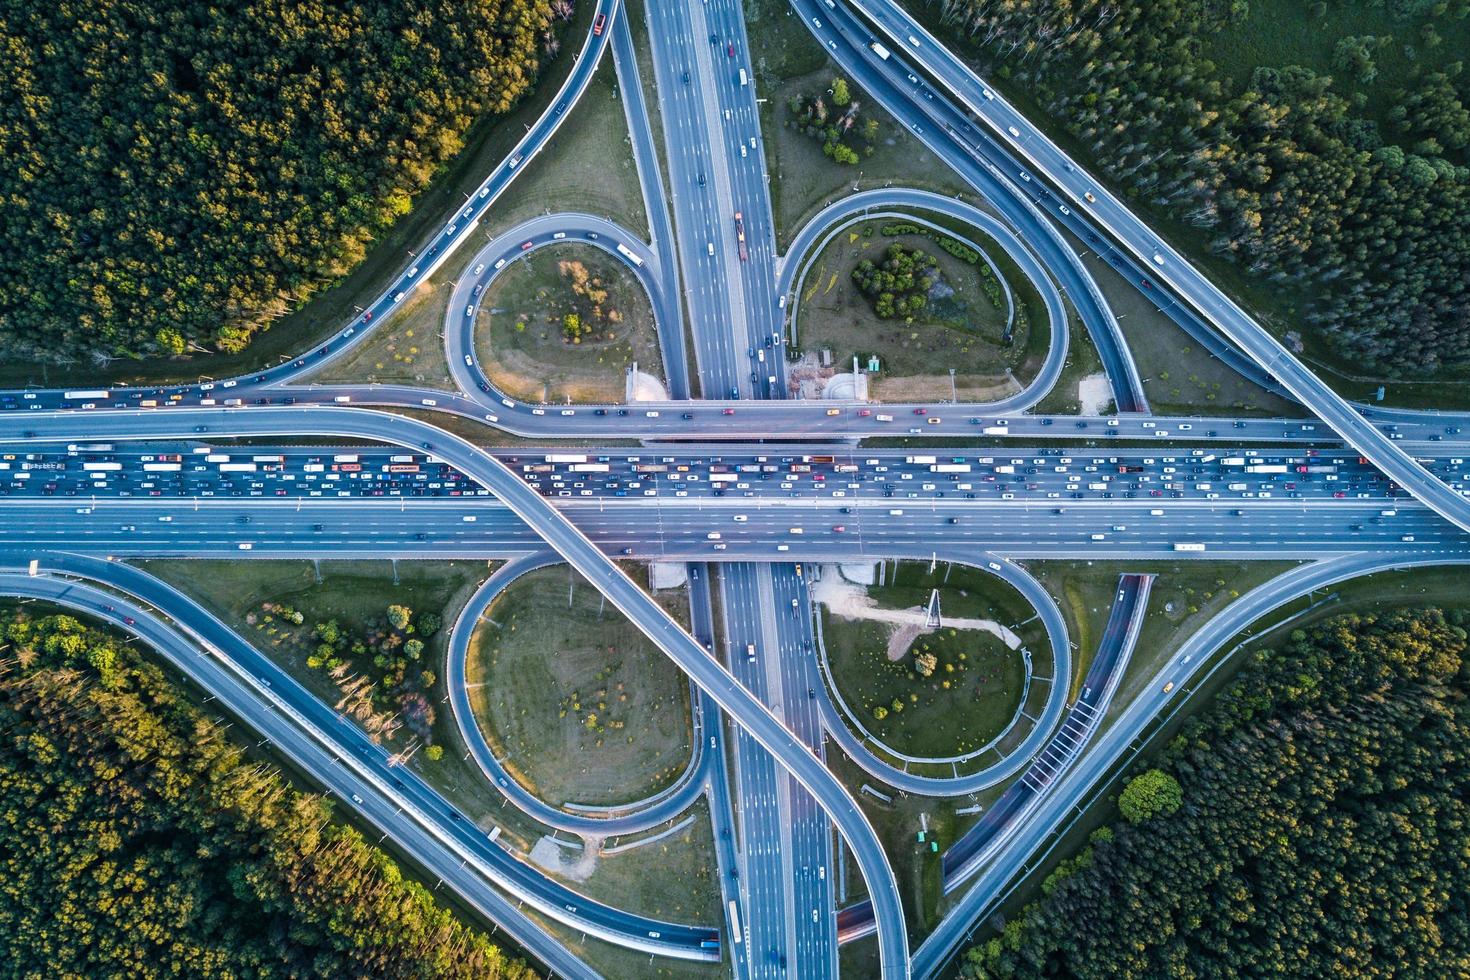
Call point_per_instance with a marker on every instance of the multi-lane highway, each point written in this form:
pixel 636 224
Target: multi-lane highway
pixel 119 472
pixel 1009 137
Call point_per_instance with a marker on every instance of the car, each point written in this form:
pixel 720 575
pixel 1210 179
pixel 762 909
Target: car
pixel 728 411
pixel 834 411
pixel 921 411
pixel 687 416
pixel 935 420
pixel 627 551
pixel 130 621
pixel 598 25
pixel 357 799
pixel 526 246
pixel 730 50
pixel 1145 284
pixel 839 528
pixel 367 317
pixel 1087 196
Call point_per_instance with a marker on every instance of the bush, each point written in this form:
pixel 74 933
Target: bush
pixel 1154 793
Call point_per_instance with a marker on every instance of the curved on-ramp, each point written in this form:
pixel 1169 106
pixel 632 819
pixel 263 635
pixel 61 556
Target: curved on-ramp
pixel 717 682
pixel 627 818
pixel 1009 764
pixel 873 204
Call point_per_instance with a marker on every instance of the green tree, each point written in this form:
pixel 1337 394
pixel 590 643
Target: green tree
pixel 840 95
pixel 398 617
pixel 1151 794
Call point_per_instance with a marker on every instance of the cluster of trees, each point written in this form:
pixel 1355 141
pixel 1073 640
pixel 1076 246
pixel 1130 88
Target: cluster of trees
pixel 1287 176
pixel 959 250
pixel 590 318
pixel 898 286
pixel 377 665
pixel 140 841
pixel 176 174
pixel 1313 822
pixel 836 125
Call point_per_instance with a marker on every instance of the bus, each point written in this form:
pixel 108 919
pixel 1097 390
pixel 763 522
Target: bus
pixel 1188 546
pixel 89 447
pixel 588 468
pixel 237 467
pixel 402 468
pixel 161 467
pixel 88 395
pixel 565 458
pixel 345 458
pixel 627 253
pixel 734 923
pixel 112 467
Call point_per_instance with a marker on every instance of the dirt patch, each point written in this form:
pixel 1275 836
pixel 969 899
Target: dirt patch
pixel 902 638
pixel 853 602
pixel 574 865
pixel 1094 394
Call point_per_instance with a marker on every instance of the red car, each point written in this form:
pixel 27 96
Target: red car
pixel 731 49
pixel 367 317
pixel 598 24
pixel 921 411
pixel 525 246
pixel 1146 284
pixel 865 411
pixel 729 411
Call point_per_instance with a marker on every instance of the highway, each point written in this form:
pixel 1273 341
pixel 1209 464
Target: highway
pixel 1029 841
pixel 1165 265
pixel 672 339
pixel 416 809
pixel 760 518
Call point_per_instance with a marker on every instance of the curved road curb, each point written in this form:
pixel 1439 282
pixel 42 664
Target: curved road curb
pixel 626 818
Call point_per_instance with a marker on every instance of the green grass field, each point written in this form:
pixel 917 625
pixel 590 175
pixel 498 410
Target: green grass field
pixel 579 702
pixel 976 683
pixel 520 342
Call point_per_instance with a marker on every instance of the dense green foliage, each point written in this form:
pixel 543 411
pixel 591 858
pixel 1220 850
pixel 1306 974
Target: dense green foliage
pixel 377 665
pixel 1324 831
pixel 845 134
pixel 139 841
pixel 175 173
pixel 898 286
pixel 1281 169
pixel 1148 795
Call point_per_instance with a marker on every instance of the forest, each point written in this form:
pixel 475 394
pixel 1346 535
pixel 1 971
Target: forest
pixel 1283 171
pixel 1313 821
pixel 139 839
pixel 176 175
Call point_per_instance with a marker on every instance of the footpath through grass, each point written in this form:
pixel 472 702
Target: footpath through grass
pixel 973 683
pixel 581 705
